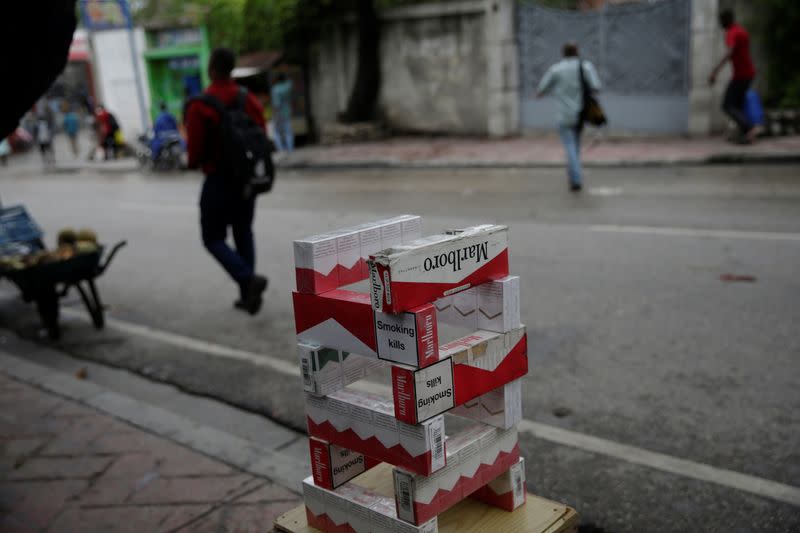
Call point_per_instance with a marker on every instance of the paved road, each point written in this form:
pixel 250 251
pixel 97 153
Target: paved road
pixel 633 334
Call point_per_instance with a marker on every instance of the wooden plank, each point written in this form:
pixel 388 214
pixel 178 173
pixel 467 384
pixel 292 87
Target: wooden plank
pixel 538 515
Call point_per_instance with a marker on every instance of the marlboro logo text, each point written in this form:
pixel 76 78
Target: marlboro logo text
pixel 477 252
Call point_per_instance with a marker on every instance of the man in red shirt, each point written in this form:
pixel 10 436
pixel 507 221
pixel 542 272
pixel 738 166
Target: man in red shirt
pixel 737 41
pixel 222 201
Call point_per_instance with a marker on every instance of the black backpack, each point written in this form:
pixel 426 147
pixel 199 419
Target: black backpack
pixel 246 150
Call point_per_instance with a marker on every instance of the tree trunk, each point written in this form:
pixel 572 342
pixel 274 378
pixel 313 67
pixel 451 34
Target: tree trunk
pixel 364 95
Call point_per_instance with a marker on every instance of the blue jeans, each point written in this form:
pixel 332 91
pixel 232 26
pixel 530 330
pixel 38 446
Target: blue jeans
pixel 222 206
pixel 284 136
pixel 571 139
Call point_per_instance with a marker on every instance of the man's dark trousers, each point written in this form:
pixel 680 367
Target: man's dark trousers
pixel 221 206
pixel 735 101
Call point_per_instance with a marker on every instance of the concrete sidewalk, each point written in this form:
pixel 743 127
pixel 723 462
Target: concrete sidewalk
pixel 66 464
pixel 413 152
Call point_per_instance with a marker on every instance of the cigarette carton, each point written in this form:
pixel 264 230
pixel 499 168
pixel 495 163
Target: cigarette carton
pixel 474 458
pixel 338 319
pixel 333 465
pixel 507 491
pixel 348 256
pixel 344 320
pixel 365 423
pixel 501 408
pixel 423 270
pixel 469 367
pixel 315 264
pixel 357 509
pixel 498 304
pixel 329 260
pixel 326 370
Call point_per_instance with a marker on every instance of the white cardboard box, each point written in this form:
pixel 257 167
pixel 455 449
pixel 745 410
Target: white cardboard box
pixel 490 306
pixel 475 457
pixel 360 509
pixel 507 491
pixel 326 370
pixel 501 408
pixel 421 271
pixel 365 423
pixel 315 263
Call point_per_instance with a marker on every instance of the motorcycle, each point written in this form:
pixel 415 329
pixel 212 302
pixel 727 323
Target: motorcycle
pixel 171 154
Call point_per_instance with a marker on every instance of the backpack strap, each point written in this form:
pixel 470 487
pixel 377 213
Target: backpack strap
pixel 213 102
pixel 241 98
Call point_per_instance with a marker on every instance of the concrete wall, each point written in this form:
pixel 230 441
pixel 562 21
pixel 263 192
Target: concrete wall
pixel 433 64
pixel 115 82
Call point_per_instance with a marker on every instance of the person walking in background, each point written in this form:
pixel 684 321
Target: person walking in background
pixel 222 201
pixel 5 150
pixel 164 128
pixel 737 40
pixel 563 80
pixel 71 125
pixel 107 129
pixel 44 131
pixel 281 99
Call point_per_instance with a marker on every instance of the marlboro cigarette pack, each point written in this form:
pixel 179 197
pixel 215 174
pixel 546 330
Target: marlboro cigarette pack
pixel 423 270
pixel 474 458
pixel 469 367
pixel 344 320
pixel 507 491
pixel 365 423
pixel 330 260
pixel 326 370
pixel 491 306
pixel 333 465
pixel 501 408
pixel 357 509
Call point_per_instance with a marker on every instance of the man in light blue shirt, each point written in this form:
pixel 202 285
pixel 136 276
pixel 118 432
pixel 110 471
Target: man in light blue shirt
pixel 281 100
pixel 563 81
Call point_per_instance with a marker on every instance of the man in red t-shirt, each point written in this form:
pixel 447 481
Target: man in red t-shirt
pixel 222 203
pixel 737 41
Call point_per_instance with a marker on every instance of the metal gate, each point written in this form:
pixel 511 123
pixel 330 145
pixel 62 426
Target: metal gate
pixel 641 51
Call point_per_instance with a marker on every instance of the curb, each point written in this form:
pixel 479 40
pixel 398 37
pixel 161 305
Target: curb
pixel 234 451
pixel 714 159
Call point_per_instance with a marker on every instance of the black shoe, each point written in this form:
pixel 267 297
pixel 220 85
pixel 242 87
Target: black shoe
pixel 575 187
pixel 251 299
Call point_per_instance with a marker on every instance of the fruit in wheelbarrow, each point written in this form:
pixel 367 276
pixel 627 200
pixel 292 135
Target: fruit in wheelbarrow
pixel 85 234
pixel 85 247
pixel 67 236
pixel 63 252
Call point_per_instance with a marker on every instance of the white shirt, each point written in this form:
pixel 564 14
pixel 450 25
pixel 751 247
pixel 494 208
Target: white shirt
pixel 563 81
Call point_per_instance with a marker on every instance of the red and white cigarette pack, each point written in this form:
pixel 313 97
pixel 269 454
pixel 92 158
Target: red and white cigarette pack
pixel 330 260
pixel 365 423
pixel 491 306
pixel 501 408
pixel 355 509
pixel 507 491
pixel 326 370
pixel 469 367
pixel 333 465
pixel 475 457
pixel 423 270
pixel 344 320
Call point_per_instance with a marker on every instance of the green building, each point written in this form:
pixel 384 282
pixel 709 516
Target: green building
pixel 176 59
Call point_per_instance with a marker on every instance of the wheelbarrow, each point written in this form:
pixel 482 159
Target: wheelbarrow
pixel 46 283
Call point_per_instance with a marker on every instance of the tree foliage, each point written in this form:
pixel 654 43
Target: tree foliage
pixel 778 26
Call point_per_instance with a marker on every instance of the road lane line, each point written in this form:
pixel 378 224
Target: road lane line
pixel 689 232
pixel 658 461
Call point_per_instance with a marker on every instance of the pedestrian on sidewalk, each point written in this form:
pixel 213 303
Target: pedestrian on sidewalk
pixel 563 80
pixel 71 126
pixel 737 40
pixel 44 131
pixel 281 100
pixel 222 201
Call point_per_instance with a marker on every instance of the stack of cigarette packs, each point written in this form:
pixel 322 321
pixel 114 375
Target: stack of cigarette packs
pixel 459 278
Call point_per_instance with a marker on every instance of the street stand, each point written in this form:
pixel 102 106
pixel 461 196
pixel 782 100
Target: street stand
pixel 46 283
pixel 385 463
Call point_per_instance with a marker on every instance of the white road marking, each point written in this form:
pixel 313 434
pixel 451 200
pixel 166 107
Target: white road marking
pixel 658 461
pixel 604 191
pixel 690 232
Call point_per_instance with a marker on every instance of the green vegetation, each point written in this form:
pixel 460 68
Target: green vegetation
pixel 778 25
